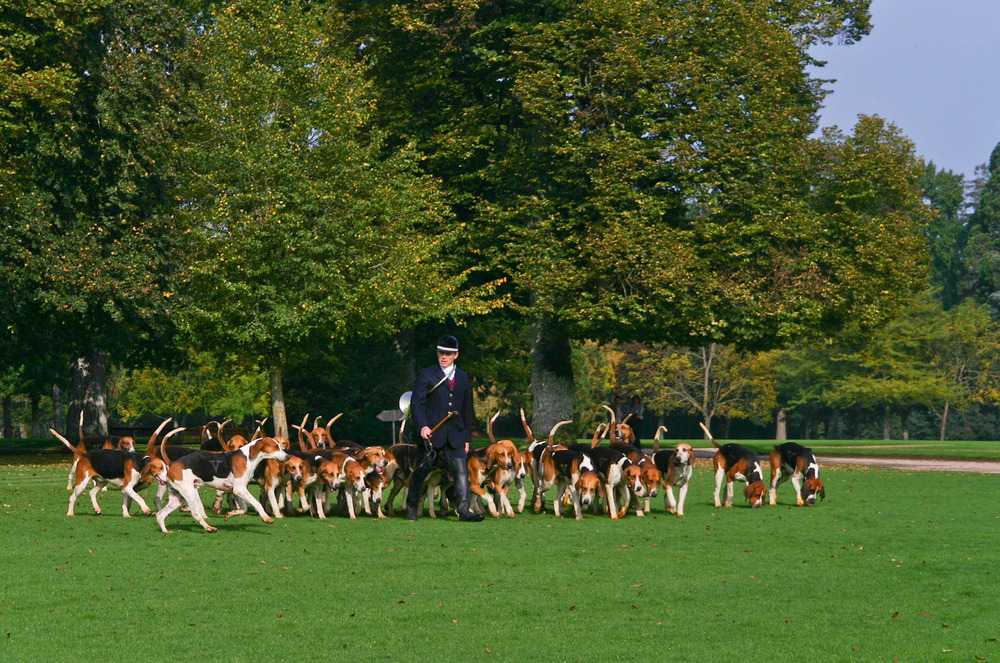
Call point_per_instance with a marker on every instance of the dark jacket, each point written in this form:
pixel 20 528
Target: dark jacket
pixel 430 405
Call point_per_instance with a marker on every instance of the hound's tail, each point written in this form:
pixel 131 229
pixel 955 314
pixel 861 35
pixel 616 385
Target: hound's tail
pixel 552 433
pixel 656 438
pixel 527 429
pixel 489 427
pixel 77 451
pixel 709 434
pixel 163 446
pixel 152 438
pixel 599 432
pixel 614 424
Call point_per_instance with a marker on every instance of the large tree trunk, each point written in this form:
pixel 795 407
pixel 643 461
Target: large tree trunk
pixel 707 405
pixel 274 374
pixel 402 346
pixel 36 424
pixel 8 423
pixel 89 392
pixel 57 406
pixel 833 426
pixel 781 430
pixel 552 388
pixel 944 420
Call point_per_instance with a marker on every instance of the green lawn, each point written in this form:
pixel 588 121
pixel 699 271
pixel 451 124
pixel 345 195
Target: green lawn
pixel 892 566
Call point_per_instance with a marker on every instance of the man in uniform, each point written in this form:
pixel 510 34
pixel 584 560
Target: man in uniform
pixel 439 391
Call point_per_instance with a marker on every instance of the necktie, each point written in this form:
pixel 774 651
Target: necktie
pixel 451 384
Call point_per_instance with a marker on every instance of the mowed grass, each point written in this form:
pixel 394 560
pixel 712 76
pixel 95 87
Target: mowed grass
pixel 892 566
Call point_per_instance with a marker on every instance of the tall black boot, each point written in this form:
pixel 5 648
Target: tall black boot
pixel 412 504
pixel 461 474
pixel 416 489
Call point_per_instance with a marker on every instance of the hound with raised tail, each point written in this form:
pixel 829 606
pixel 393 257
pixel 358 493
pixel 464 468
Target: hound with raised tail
pixel 321 434
pixel 572 473
pixel 231 471
pixel 790 460
pixel 676 467
pixel 732 462
pixel 123 442
pixel 504 465
pixel 125 469
pixel 101 441
pixel 543 471
pixel 620 431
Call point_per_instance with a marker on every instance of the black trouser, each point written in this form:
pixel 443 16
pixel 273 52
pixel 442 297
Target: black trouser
pixel 455 462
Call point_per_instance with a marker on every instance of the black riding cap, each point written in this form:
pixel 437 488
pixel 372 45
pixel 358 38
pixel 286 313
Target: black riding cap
pixel 447 344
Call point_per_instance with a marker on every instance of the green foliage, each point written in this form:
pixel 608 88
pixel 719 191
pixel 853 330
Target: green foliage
pixel 305 229
pixel 90 92
pixel 594 378
pixel 924 357
pixel 983 249
pixel 947 234
pixel 205 388
pixel 969 355
pixel 645 170
pixel 713 380
pixel 871 215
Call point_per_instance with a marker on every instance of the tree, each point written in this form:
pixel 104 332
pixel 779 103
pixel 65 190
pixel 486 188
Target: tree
pixel 969 357
pixel 983 252
pixel 645 171
pixel 91 92
pixel 892 369
pixel 948 233
pixel 200 388
pixel 307 228
pixel 710 381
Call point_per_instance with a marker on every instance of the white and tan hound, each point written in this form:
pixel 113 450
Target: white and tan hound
pixel 231 471
pixel 123 469
pixel 676 467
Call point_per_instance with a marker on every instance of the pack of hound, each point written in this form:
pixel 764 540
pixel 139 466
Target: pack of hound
pixel 323 476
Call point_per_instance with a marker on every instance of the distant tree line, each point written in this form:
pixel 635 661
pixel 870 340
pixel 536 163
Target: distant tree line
pixel 247 209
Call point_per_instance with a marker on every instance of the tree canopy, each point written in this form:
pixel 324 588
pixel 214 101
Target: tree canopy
pixel 269 182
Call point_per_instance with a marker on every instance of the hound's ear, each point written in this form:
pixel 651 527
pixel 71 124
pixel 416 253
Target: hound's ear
pixel 822 494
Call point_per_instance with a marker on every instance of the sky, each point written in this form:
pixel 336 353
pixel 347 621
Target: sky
pixel 932 67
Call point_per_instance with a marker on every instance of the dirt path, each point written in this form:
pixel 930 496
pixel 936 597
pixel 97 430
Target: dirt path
pixel 916 464
pixel 909 464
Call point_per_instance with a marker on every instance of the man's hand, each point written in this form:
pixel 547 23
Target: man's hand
pixel 425 432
